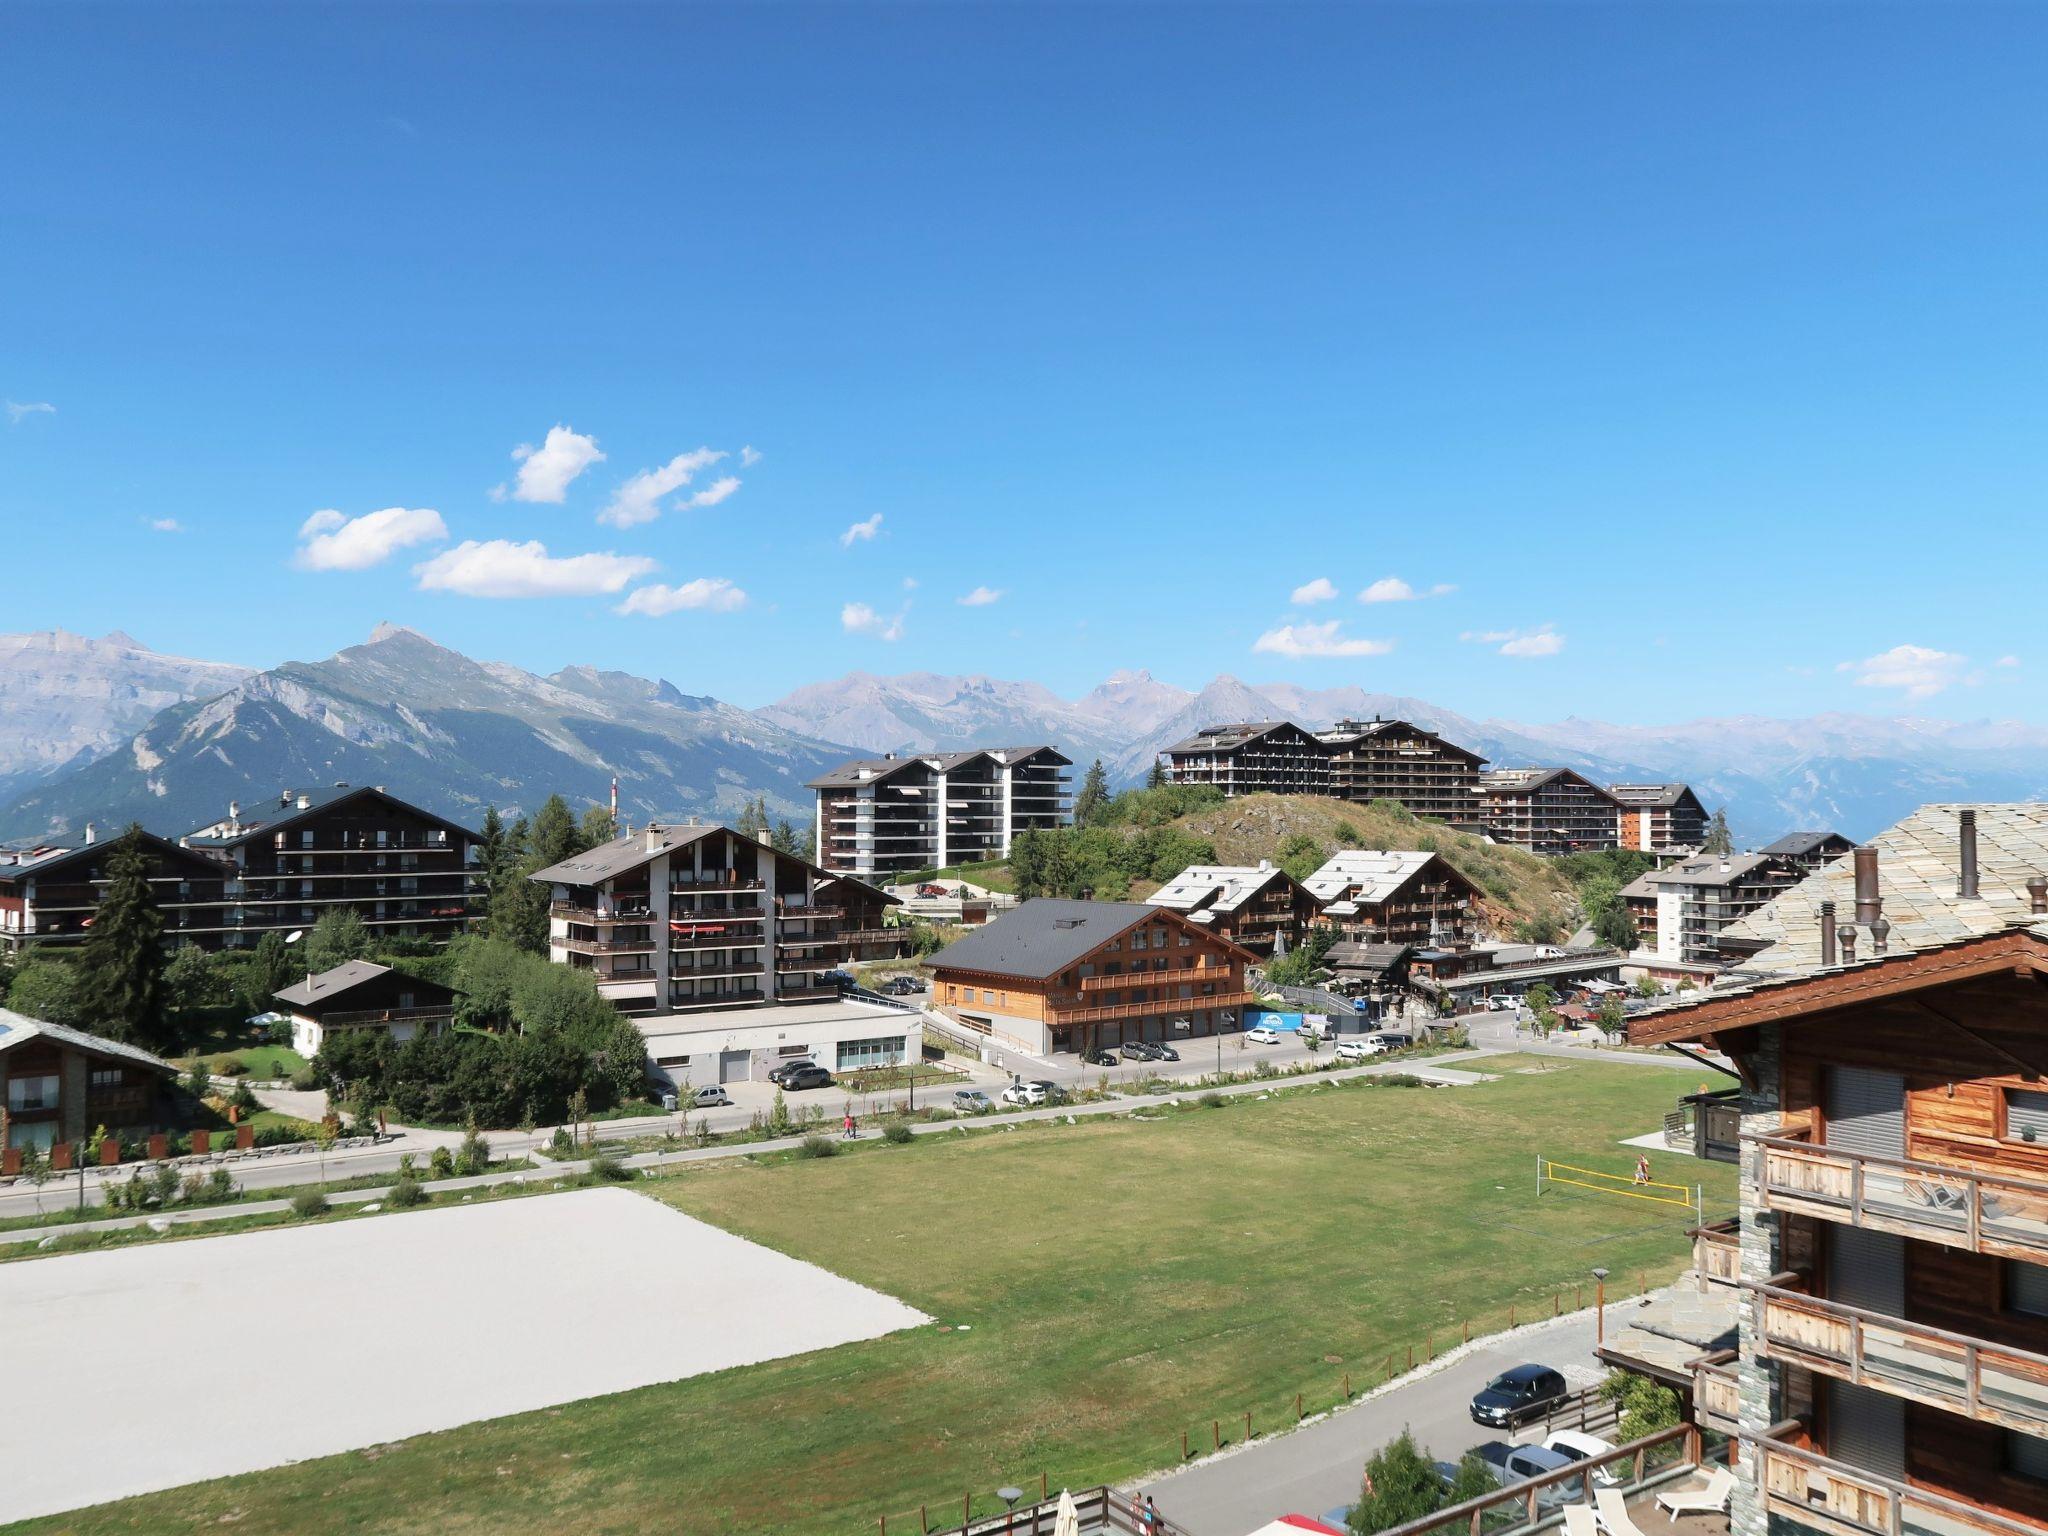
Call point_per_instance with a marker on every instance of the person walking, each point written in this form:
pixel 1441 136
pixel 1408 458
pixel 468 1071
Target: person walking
pixel 849 1123
pixel 1642 1167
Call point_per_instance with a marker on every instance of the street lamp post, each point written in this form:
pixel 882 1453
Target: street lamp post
pixel 1599 1308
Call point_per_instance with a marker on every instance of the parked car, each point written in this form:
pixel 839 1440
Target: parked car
pixel 779 1073
pixel 1025 1093
pixel 1500 1002
pixel 932 888
pixel 1352 1050
pixel 838 978
pixel 1099 1058
pixel 1513 1464
pixel 1161 1051
pixel 1262 1035
pixel 1577 1445
pixel 710 1096
pixel 1381 1041
pixel 1516 1396
pixel 1140 1050
pixel 812 1076
pixel 903 986
pixel 971 1101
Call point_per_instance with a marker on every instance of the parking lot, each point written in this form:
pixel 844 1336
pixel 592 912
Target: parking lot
pixel 562 1297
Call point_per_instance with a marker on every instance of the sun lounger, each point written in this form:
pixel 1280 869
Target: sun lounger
pixel 1579 1521
pixel 1613 1513
pixel 1710 1498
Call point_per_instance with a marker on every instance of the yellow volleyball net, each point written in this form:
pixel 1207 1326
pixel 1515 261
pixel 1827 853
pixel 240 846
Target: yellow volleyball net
pixel 1631 1185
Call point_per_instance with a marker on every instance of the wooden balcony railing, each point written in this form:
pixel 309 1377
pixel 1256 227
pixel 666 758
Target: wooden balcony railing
pixel 1062 1014
pixel 1716 1403
pixel 1992 1383
pixel 1124 980
pixel 1984 1213
pixel 1717 1252
pixel 1819 1493
pixel 386 1016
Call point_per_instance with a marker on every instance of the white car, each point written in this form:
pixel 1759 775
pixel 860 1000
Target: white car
pixel 1577 1445
pixel 1380 1041
pixel 1261 1035
pixel 1352 1050
pixel 1024 1093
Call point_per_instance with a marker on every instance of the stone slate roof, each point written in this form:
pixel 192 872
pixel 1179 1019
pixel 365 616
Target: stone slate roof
pixel 1228 738
pixel 627 851
pixel 1794 845
pixel 18 1029
pixel 1645 796
pixel 1232 885
pixel 1377 874
pixel 1704 869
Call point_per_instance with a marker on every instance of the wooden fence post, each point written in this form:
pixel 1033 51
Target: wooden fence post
pixel 1044 1488
pixel 1429 1342
pixel 1557 1303
pixel 1347 1386
pixel 1216 1431
pixel 966 1508
pixel 1183 1445
pixel 923 1525
pixel 1511 1314
pixel 1411 1357
pixel 1468 1332
pixel 1247 1426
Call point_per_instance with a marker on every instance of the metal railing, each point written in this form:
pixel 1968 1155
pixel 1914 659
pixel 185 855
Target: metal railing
pixel 385 1016
pixel 1985 1213
pixel 1994 1383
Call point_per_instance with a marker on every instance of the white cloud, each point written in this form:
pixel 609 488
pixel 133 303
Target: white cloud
pixel 749 456
pixel 980 597
pixel 1304 640
pixel 545 472
pixel 713 593
pixel 860 619
pixel 1542 641
pixel 715 492
pixel 1392 589
pixel 1917 671
pixel 501 568
pixel 17 409
pixel 331 541
pixel 866 528
pixel 2006 661
pixel 166 525
pixel 910 583
pixel 1321 590
pixel 639 499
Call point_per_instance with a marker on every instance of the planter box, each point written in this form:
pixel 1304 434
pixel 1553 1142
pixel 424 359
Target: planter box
pixel 110 1151
pixel 60 1156
pixel 202 1143
pixel 159 1148
pixel 245 1137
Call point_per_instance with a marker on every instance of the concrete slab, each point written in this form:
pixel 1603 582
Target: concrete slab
pixel 392 1325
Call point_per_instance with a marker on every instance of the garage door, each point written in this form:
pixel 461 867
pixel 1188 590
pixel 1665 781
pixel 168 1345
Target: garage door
pixel 733 1065
pixel 1866 1111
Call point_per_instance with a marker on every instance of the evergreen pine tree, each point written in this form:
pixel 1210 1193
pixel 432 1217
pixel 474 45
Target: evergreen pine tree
pixel 597 827
pixel 753 820
pixel 1094 794
pixel 785 840
pixel 1719 840
pixel 491 851
pixel 1155 778
pixel 120 970
pixel 553 837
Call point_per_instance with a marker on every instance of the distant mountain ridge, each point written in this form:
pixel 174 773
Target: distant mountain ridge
pixel 441 730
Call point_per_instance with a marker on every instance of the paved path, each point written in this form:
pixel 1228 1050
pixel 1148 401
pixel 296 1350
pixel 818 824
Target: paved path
pixel 1316 1469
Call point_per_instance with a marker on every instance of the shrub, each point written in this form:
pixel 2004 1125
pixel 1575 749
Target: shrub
pixel 609 1169
pixel 896 1133
pixel 818 1146
pixel 474 1155
pixel 163 1182
pixel 1211 1100
pixel 244 1099
pixel 230 1066
pixel 1398 1080
pixel 220 1185
pixel 406 1193
pixel 193 1188
pixel 442 1163
pixel 307 1079
pixel 309 1202
pixel 562 1144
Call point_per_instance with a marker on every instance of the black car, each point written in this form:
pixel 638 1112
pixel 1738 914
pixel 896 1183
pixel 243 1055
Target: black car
pixel 810 1075
pixel 837 978
pixel 1139 1050
pixel 779 1074
pixel 1099 1058
pixel 902 986
pixel 1514 1397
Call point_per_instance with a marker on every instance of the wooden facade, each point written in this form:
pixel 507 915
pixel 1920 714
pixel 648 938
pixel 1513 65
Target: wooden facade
pixel 61 1086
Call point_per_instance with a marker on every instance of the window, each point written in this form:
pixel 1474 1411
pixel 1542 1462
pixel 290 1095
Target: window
pixel 2026 1288
pixel 27 1093
pixel 967 994
pixel 1187 941
pixel 885 1052
pixel 106 1077
pixel 1139 940
pixel 2026 1115
pixel 671 1061
pixel 2026 1455
pixel 792 1050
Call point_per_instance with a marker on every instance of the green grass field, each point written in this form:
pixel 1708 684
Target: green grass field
pixel 1118 1281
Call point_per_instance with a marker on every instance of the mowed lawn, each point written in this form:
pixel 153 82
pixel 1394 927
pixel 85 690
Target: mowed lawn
pixel 1107 1285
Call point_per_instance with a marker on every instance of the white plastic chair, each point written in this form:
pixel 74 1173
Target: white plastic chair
pixel 1710 1498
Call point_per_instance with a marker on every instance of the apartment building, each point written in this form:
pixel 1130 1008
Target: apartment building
pixel 407 872
pixel 716 946
pixel 883 816
pixel 1058 975
pixel 1660 818
pixel 1397 760
pixel 1548 810
pixel 1253 757
pixel 1259 906
pixel 1682 910
pixel 1395 897
pixel 48 895
pixel 1892 1369
pixel 1809 851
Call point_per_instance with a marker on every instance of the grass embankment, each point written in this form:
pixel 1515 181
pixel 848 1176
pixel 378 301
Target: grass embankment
pixel 1121 1281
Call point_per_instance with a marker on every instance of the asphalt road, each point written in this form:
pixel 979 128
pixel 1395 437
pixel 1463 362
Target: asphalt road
pixel 1316 1470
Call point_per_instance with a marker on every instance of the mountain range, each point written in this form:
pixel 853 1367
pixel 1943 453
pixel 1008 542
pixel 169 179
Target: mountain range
pixel 109 731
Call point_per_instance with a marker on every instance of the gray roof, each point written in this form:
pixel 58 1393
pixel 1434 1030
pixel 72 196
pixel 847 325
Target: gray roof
pixel 628 851
pixel 331 984
pixel 869 770
pixel 1705 869
pixel 1520 781
pixel 1216 887
pixel 1651 795
pixel 18 1029
pixel 1228 738
pixel 275 812
pixel 1044 936
pixel 1794 845
pixel 1918 861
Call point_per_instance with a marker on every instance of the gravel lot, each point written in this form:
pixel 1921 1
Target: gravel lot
pixel 392 1325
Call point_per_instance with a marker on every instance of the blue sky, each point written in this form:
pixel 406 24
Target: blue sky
pixel 1700 350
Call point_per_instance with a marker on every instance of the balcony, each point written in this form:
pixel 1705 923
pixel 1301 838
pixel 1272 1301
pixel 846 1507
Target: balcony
pixel 1062 1014
pixel 1988 1382
pixel 1716 1403
pixel 582 914
pixel 1983 1213
pixel 582 946
pixel 1136 978
pixel 1717 1253
pixel 1819 1493
pixel 387 1016
pixel 715 884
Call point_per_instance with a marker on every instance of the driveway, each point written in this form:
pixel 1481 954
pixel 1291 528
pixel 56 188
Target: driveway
pixel 1317 1469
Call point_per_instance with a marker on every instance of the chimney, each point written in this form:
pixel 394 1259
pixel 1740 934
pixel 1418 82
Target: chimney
pixel 284 799
pixel 1846 935
pixel 234 810
pixel 1966 833
pixel 1830 954
pixel 305 802
pixel 653 837
pixel 1869 905
pixel 1265 866
pixel 2037 894
pixel 92 834
pixel 1880 934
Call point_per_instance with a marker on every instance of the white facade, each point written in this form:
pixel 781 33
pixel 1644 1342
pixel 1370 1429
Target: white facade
pixel 695 1050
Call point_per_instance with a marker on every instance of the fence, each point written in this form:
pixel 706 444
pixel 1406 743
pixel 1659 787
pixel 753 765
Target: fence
pixel 1690 1197
pixel 1100 1509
